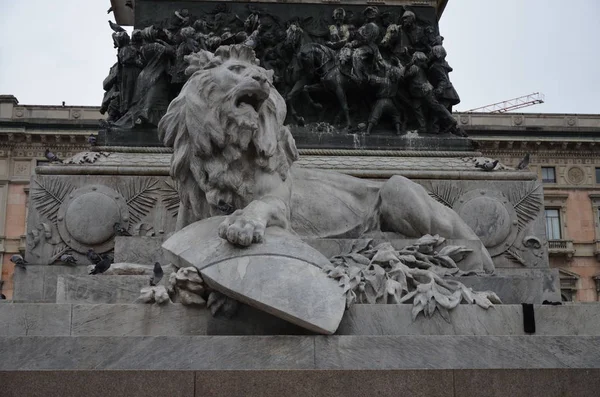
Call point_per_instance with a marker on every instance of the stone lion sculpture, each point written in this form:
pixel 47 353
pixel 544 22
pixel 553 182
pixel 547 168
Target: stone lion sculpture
pixel 233 155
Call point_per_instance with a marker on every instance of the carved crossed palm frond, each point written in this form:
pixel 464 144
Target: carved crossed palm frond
pixel 514 256
pixel 527 200
pixel 140 196
pixel 48 196
pixel 445 193
pixel 170 198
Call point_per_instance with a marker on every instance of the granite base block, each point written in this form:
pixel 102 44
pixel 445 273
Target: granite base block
pixel 299 383
pixel 97 383
pixel 550 280
pixel 156 353
pixel 138 320
pixel 35 319
pixel 99 289
pixel 37 283
pixel 457 352
pixel 298 352
pixel 527 383
pixel 302 383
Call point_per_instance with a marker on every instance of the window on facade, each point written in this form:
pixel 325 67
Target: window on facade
pixel 548 175
pixel 597 175
pixel 553 224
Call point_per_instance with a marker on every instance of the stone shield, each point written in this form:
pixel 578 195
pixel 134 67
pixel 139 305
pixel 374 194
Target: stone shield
pixel 282 276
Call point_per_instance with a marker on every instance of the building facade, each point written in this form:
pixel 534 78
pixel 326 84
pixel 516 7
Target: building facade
pixel 26 131
pixel 563 152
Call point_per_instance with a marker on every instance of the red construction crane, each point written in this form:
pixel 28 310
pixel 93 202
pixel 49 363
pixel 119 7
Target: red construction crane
pixel 512 104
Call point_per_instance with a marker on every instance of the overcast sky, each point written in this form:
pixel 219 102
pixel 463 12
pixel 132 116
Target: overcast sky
pixel 54 51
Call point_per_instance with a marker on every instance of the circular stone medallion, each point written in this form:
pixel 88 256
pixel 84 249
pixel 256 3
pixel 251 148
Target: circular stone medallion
pixel 491 216
pixel 576 175
pixel 86 219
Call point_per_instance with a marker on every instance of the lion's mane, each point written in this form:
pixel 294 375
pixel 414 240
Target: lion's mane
pixel 216 152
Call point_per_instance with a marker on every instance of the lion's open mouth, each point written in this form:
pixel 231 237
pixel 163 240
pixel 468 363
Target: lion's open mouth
pixel 251 98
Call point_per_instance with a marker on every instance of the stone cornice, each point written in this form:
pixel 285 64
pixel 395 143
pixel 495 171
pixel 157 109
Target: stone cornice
pixel 556 195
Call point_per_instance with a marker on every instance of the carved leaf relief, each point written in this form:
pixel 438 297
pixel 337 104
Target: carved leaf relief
pixel 527 200
pixel 48 195
pixel 445 193
pixel 140 196
pixel 170 198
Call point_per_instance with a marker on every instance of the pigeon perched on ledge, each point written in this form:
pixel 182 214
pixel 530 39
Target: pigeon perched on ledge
pixel 120 230
pixel 52 157
pixel 158 274
pixel 488 165
pixel 524 163
pixel 93 256
pixel 103 265
pixel 68 259
pixel 18 261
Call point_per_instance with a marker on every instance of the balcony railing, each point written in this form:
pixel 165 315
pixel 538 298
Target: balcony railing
pixel 561 248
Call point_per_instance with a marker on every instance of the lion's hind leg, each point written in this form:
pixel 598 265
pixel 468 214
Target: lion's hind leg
pixel 407 208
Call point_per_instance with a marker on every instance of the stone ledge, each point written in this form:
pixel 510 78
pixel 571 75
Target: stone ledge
pixel 47 319
pixel 298 352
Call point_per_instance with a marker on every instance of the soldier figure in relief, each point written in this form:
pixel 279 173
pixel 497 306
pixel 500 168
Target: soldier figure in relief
pixel 386 90
pixel 423 99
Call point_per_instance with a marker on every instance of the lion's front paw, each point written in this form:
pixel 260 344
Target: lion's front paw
pixel 237 229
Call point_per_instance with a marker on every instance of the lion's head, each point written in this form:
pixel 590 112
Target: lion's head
pixel 226 124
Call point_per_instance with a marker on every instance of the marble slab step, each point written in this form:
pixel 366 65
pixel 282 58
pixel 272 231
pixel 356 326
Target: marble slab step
pixel 47 319
pixel 297 352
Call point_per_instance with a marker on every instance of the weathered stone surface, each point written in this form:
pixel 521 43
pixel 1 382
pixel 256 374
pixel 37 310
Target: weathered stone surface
pixel 282 275
pixel 37 283
pixel 157 353
pixel 299 383
pixel 100 289
pixel 313 140
pixel 143 250
pixel 550 280
pixel 47 319
pixel 456 352
pixel 97 383
pixel 551 320
pixel 299 352
pixel 527 383
pixel 35 319
pixel 138 320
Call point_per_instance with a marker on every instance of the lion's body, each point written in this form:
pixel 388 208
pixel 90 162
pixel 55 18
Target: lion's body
pixel 233 156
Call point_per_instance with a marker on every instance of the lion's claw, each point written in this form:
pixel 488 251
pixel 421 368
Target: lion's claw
pixel 241 231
